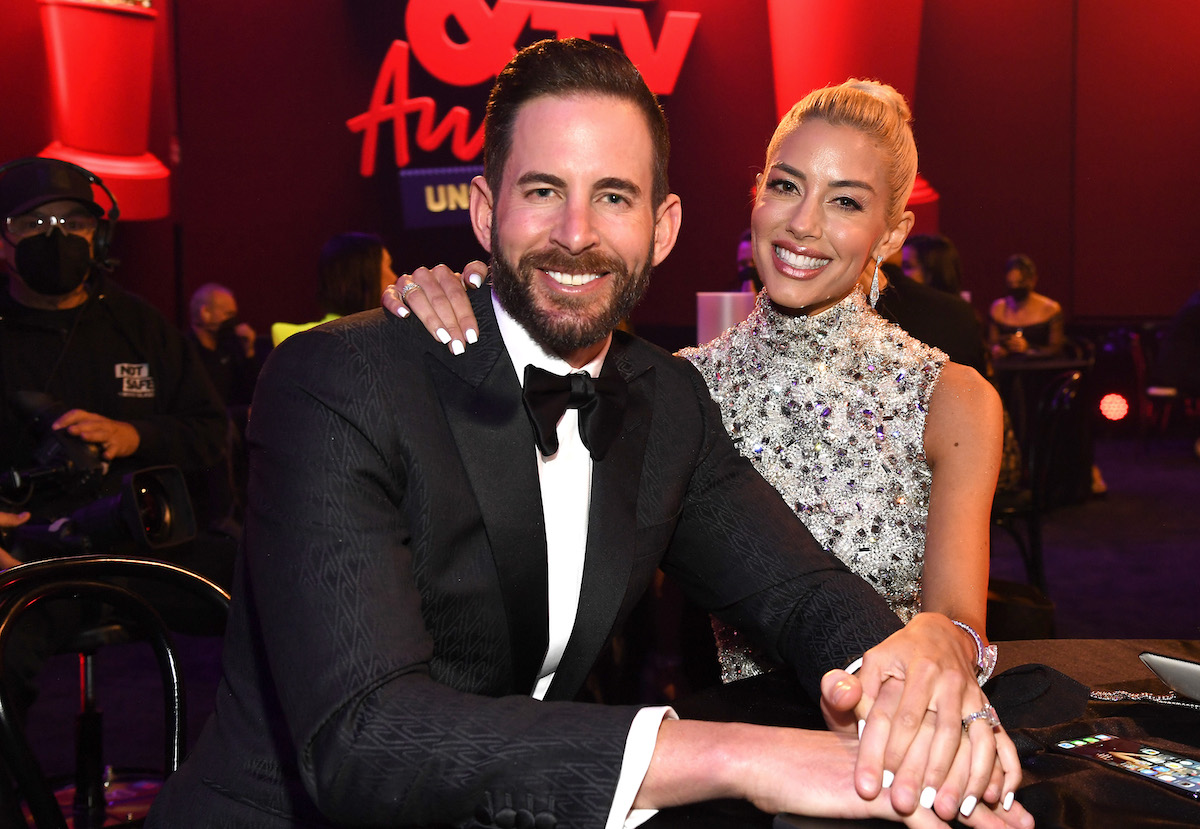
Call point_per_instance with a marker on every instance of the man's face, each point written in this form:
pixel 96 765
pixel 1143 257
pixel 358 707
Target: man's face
pixel 70 217
pixel 221 307
pixel 572 231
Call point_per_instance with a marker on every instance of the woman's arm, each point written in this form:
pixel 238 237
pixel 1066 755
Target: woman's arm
pixel 963 438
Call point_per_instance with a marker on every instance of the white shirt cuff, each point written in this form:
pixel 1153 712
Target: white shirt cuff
pixel 639 749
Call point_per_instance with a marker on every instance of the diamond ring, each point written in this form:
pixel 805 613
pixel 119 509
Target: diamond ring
pixel 408 288
pixel 987 714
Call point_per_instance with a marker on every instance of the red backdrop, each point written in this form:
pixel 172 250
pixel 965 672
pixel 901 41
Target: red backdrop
pixel 1054 129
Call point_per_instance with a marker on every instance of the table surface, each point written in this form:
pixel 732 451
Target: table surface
pixel 1053 787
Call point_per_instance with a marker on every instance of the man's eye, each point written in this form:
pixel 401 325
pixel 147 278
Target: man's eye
pixel 614 198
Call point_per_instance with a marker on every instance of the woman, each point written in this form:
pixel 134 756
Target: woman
pixel 933 260
pixel 1023 322
pixel 888 452
pixel 353 269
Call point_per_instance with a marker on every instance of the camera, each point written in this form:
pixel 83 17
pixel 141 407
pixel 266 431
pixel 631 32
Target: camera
pixel 150 511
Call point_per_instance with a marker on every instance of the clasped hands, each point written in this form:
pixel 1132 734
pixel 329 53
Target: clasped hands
pixel 914 692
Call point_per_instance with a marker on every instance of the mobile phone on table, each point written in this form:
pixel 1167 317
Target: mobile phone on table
pixel 1177 771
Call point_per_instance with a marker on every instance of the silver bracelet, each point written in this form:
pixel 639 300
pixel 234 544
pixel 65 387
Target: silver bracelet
pixel 1169 698
pixel 985 655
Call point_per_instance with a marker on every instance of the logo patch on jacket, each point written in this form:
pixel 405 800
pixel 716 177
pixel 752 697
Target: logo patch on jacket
pixel 135 380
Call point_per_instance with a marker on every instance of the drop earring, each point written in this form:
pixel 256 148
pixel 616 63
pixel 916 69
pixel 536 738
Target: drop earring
pixel 875 281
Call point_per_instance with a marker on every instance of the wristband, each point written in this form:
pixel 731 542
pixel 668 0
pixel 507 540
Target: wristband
pixel 985 655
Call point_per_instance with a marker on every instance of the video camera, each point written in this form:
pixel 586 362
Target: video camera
pixel 150 511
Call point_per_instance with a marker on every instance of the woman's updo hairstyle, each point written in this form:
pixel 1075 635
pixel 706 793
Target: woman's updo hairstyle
pixel 878 111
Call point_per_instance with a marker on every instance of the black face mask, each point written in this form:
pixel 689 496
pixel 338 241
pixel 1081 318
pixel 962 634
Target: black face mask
pixel 53 263
pixel 226 336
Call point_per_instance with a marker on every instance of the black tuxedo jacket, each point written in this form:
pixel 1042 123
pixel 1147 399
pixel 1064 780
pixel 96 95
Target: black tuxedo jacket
pixel 394 545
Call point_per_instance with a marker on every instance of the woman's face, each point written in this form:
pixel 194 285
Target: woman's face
pixel 819 218
pixel 910 263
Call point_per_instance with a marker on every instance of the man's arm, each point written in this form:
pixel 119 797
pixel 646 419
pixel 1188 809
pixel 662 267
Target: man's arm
pixel 353 482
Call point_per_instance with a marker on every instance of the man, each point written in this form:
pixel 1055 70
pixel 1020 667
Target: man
pixel 416 567
pixel 80 355
pixel 225 344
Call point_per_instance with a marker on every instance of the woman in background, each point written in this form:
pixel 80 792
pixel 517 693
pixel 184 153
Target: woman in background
pixel 352 270
pixel 1024 322
pixel 932 260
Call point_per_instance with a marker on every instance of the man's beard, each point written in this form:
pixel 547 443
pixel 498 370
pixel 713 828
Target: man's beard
pixel 574 325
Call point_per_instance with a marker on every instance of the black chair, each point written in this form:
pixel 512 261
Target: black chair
pixel 1059 416
pixel 120 584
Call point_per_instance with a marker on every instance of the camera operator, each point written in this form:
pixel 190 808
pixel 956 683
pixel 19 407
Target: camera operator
pixel 129 382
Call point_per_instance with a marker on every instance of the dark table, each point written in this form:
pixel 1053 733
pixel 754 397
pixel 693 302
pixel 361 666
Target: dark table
pixel 1041 691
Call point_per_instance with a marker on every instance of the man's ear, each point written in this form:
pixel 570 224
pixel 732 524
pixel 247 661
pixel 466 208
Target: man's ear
pixel 667 220
pixel 482 212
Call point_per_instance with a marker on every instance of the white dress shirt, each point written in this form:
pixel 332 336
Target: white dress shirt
pixel 566 485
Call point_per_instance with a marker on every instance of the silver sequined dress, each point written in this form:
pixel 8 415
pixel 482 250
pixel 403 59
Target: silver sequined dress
pixel 831 410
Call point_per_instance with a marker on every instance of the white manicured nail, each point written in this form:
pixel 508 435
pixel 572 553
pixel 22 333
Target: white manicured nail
pixel 456 347
pixel 443 335
pixel 475 279
pixel 888 778
pixel 967 806
pixel 402 311
pixel 1008 801
pixel 927 797
pixel 861 725
pixel 472 336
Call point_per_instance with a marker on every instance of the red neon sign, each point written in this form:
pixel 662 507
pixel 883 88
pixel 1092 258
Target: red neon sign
pixel 492 34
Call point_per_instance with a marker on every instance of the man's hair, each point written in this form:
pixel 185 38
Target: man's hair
pixel 564 68
pixel 348 273
pixel 874 109
pixel 203 297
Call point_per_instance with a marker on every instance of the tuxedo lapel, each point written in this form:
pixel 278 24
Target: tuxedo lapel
pixel 482 402
pixel 612 527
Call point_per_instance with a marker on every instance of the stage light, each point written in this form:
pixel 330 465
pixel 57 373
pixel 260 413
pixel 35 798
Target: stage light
pixel 1114 406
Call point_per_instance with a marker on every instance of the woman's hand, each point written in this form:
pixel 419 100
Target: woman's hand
pixel 914 691
pixel 439 299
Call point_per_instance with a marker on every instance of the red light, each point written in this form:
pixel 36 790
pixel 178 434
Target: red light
pixel 1114 406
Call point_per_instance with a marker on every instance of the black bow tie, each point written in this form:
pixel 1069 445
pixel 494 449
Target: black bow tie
pixel 600 401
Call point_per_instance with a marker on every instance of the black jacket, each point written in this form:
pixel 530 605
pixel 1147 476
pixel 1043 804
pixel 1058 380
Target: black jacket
pixel 115 356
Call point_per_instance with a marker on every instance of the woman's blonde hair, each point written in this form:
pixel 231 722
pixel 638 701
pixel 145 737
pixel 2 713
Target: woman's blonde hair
pixel 878 111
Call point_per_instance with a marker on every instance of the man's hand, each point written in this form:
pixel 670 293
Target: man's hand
pixel 116 438
pixel 246 336
pixel 7 521
pixel 781 770
pixel 913 691
pixel 440 302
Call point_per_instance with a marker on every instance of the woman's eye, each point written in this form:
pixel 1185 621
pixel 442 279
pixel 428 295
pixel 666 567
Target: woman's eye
pixel 782 185
pixel 847 203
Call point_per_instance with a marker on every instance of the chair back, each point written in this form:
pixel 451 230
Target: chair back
pixel 1055 437
pixel 114 581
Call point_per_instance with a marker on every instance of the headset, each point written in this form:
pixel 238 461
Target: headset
pixel 104 226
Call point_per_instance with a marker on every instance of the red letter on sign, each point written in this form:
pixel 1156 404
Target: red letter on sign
pixel 393 76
